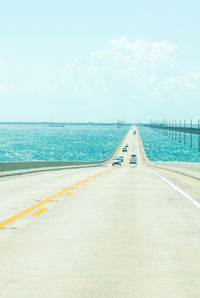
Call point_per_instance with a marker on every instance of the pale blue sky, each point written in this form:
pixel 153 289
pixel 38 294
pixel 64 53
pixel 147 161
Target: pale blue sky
pixel 99 60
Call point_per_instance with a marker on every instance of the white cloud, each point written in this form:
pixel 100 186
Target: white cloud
pixel 189 81
pixel 122 67
pixel 126 72
pixel 136 51
pixel 140 59
pixel 182 89
pixel 72 64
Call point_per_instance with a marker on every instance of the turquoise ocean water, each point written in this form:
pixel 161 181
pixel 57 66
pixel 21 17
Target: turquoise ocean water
pixel 162 148
pixel 85 143
pixel 71 142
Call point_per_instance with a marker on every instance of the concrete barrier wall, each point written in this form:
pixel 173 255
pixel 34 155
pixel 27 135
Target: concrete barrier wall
pixel 12 166
pixel 26 165
pixel 191 169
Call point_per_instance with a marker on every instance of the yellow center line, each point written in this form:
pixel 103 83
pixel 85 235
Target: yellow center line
pixel 40 211
pixel 68 193
pixel 35 206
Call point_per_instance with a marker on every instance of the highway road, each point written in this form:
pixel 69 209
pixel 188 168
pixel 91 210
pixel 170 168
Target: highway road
pixel 129 231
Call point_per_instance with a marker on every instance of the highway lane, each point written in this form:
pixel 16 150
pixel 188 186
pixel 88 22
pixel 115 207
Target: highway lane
pixel 19 192
pixel 126 233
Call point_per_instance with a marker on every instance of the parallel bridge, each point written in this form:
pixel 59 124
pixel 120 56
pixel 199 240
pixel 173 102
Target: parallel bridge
pixel 170 127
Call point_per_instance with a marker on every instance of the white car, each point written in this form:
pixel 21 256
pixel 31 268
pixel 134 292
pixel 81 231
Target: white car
pixel 116 161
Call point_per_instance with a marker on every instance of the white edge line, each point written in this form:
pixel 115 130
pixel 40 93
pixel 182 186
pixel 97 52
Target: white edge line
pixel 193 201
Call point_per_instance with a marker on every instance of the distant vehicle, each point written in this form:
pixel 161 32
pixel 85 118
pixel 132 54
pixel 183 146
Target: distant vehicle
pixel 134 132
pixel 116 161
pixel 133 159
pixel 126 145
pixel 124 149
pixel 120 158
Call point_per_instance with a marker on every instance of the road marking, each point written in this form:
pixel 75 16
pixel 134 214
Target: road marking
pixel 192 200
pixel 35 206
pixel 68 193
pixel 40 211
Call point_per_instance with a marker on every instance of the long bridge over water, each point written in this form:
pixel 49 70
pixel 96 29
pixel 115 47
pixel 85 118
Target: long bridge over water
pixel 175 129
pixel 93 230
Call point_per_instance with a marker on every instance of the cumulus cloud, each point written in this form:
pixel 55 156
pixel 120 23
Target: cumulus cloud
pixel 128 71
pixel 140 58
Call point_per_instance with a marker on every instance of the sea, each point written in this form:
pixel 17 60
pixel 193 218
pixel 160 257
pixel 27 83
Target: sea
pixel 32 142
pixel 29 142
pixel 160 147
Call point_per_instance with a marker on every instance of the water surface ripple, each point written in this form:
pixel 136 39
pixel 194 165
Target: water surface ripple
pixel 159 147
pixel 70 143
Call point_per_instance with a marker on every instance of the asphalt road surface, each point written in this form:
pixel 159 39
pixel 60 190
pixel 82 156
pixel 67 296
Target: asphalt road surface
pixel 128 231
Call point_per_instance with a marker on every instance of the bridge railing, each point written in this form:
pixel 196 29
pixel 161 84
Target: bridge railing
pixel 171 128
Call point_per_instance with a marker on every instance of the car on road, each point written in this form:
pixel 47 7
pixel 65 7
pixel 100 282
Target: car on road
pixel 116 162
pixel 124 149
pixel 120 158
pixel 133 159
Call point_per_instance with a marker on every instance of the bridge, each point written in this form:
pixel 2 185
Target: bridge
pixel 93 230
pixel 171 128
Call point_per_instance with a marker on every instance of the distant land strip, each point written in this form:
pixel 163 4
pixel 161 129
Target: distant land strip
pixel 67 123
